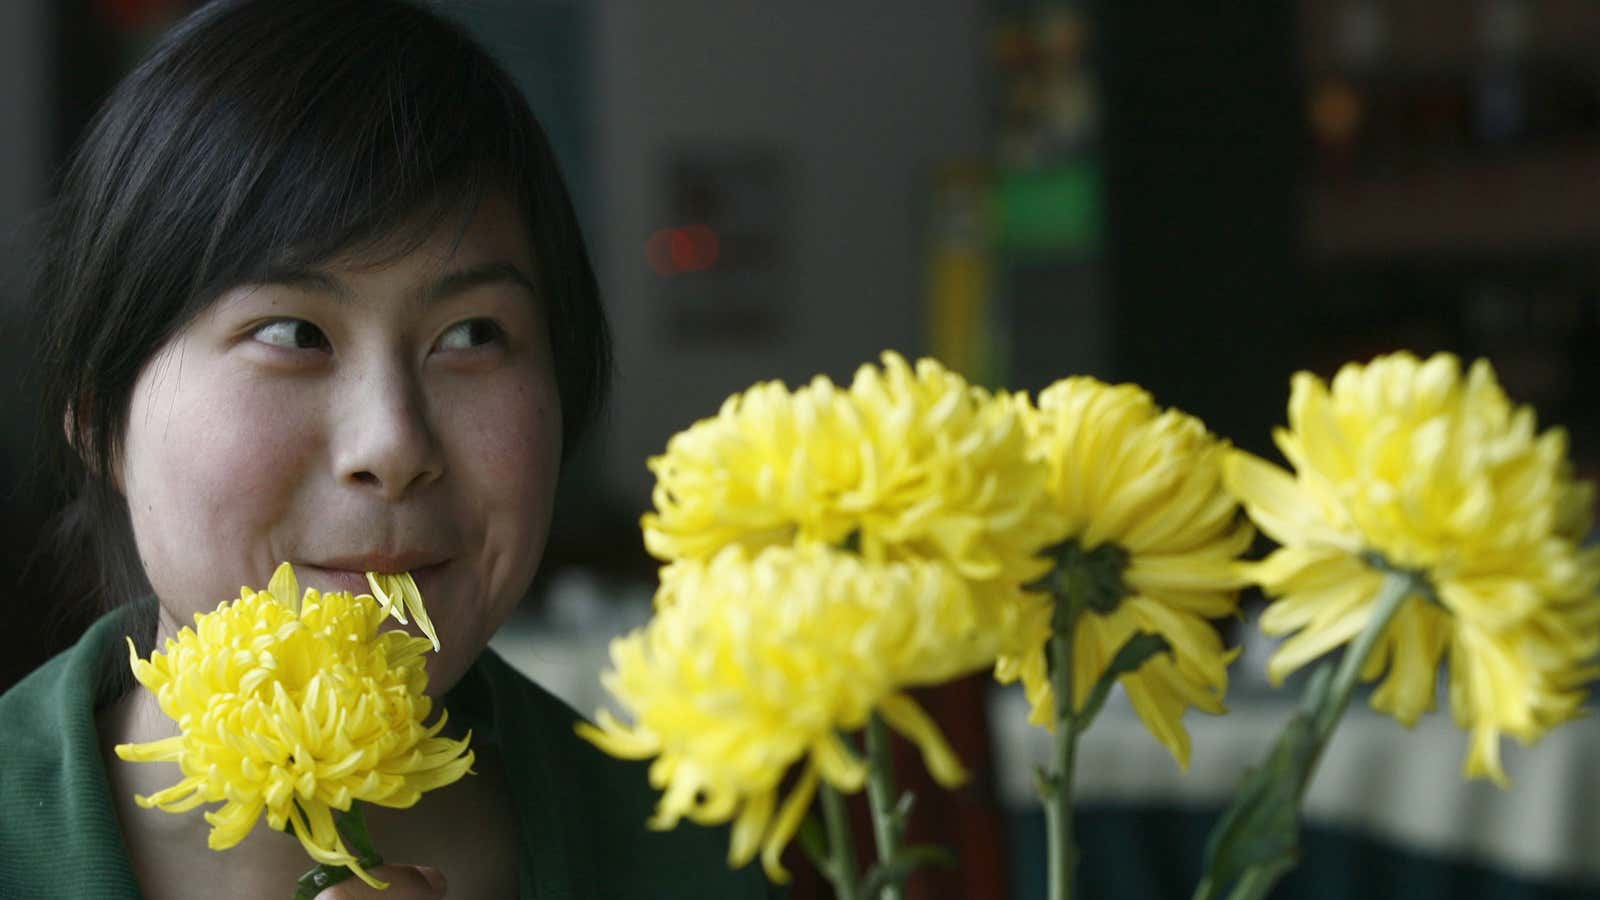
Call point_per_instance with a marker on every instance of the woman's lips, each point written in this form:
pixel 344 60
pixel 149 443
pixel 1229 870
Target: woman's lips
pixel 334 579
pixel 324 579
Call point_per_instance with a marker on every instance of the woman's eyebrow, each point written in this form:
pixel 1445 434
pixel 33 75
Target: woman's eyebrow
pixel 442 288
pixel 463 280
pixel 312 280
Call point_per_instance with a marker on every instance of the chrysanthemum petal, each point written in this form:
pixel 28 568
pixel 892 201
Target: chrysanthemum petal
pixel 1095 643
pixel 315 848
pixel 1318 605
pixel 905 716
pixel 1497 602
pixel 414 605
pixel 1276 503
pixel 1308 645
pixel 231 824
pixel 285 587
pixel 164 750
pixel 790 815
pixel 1214 571
pixel 390 596
pixel 838 766
pixel 618 739
pixel 1413 646
pixel 183 796
pixel 1189 637
pixel 1162 714
pixel 749 826
pixel 1296 567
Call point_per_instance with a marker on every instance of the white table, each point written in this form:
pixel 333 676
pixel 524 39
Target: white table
pixel 1399 786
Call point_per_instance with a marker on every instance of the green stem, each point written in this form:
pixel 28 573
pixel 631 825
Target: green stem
pixel 1057 786
pixel 841 867
pixel 1082 581
pixel 1257 881
pixel 1397 586
pixel 886 823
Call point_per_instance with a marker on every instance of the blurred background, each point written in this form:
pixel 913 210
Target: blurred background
pixel 1199 196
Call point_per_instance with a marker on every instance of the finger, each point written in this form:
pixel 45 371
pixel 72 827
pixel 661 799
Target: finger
pixel 405 883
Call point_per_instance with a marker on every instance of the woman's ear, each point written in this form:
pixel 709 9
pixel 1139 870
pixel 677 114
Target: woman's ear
pixel 80 437
pixel 70 430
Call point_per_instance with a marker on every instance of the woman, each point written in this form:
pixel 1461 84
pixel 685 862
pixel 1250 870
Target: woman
pixel 316 293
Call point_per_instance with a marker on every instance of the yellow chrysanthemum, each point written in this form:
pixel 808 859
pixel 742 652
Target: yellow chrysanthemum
pixel 914 464
pixel 753 665
pixel 1147 515
pixel 1406 465
pixel 295 709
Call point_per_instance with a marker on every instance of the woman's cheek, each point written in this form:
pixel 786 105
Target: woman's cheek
pixel 213 469
pixel 251 442
pixel 506 451
pixel 514 443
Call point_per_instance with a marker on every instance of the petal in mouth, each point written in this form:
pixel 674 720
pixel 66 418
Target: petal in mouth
pixel 397 593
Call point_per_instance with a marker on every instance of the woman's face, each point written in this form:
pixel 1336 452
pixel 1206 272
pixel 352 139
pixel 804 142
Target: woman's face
pixel 400 416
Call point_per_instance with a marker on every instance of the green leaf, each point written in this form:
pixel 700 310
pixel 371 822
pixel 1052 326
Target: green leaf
pixel 906 861
pixel 1261 828
pixel 1133 654
pixel 318 879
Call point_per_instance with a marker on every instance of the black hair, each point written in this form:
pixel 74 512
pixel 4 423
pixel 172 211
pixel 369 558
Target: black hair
pixel 267 133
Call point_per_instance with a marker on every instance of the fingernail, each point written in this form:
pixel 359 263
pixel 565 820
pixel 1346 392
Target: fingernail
pixel 434 877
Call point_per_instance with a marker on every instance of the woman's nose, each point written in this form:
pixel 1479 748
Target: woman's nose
pixel 384 440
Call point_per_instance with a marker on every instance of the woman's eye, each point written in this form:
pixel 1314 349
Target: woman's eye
pixel 291 334
pixel 469 334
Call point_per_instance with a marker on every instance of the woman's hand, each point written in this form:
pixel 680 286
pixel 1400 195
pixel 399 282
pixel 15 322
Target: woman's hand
pixel 405 883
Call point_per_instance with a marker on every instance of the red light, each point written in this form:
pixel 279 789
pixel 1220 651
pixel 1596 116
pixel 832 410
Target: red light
pixel 673 251
pixel 682 250
pixel 706 247
pixel 659 255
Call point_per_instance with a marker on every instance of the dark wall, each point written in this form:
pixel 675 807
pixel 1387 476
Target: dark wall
pixel 1201 145
pixel 80 48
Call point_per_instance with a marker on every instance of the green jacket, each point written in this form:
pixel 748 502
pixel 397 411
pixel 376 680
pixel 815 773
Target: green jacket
pixel 581 813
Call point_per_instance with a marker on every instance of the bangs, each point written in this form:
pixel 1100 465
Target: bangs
pixel 385 133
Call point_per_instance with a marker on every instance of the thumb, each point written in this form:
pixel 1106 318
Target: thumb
pixel 405 883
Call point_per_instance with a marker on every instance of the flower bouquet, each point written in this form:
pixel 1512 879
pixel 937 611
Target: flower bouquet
pixel 829 548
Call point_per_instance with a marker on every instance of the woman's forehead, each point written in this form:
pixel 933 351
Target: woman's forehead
pixel 450 237
pixel 437 253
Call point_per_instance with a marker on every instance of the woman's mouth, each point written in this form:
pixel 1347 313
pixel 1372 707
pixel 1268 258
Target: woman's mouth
pixel 348 576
